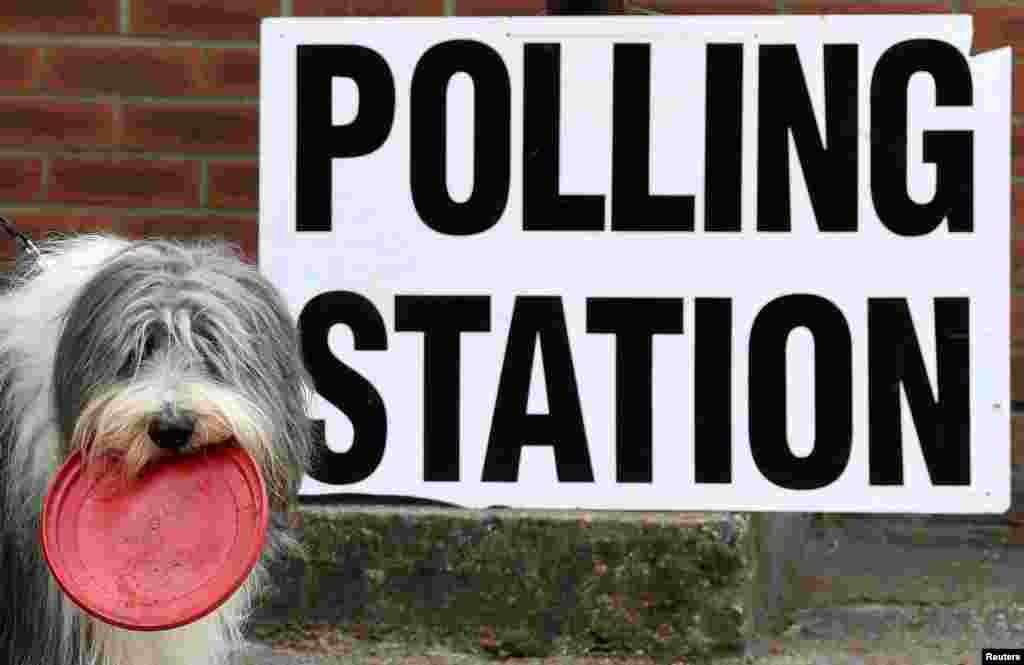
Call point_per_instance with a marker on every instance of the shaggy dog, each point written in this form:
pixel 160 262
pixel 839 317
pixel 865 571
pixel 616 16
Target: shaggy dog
pixel 156 349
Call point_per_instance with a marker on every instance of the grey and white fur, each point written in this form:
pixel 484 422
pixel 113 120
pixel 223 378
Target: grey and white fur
pixel 155 348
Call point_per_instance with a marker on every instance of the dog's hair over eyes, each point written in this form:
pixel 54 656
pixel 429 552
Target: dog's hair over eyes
pixel 163 312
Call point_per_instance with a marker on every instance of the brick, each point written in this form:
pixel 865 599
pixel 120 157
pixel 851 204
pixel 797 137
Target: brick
pixel 20 179
pixel 1017 238
pixel 1018 88
pixel 165 72
pixel 1017 205
pixel 193 128
pixel 846 7
pixel 42 122
pixel 1017 347
pixel 232 73
pixel 704 7
pixel 370 7
pixel 127 182
pixel 204 19
pixel 239 230
pixel 1018 150
pixel 1017 439
pixel 1017 257
pixel 19 67
pixel 233 184
pixel 995 27
pixel 125 70
pixel 40 225
pixel 86 16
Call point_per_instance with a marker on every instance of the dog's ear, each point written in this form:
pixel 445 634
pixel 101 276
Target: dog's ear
pixel 280 379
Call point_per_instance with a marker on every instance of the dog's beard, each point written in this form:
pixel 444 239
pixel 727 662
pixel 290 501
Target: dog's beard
pixel 218 632
pixel 116 420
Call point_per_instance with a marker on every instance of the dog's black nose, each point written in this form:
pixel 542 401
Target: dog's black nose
pixel 171 431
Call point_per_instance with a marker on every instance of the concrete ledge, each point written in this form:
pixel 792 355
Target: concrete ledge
pixel 777 543
pixel 540 582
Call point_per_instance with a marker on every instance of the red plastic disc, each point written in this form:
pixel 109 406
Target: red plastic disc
pixel 161 550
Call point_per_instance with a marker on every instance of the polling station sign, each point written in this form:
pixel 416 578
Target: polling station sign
pixel 646 262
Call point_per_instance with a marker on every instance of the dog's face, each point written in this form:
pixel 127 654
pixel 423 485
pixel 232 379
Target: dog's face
pixel 169 348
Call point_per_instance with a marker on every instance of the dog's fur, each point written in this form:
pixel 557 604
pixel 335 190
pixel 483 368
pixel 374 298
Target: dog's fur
pixel 99 337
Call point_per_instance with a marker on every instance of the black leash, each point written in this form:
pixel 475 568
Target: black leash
pixel 26 242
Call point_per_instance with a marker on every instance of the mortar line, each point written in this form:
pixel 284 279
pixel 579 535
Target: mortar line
pixel 204 184
pixel 44 187
pixel 56 207
pixel 117 111
pixel 121 153
pixel 37 76
pixel 132 99
pixel 118 40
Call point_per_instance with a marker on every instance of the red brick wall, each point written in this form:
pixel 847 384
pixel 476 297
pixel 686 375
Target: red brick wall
pixel 140 116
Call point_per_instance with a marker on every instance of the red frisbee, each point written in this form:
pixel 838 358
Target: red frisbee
pixel 161 550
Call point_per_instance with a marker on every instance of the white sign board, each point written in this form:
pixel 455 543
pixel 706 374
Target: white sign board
pixel 646 263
